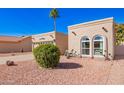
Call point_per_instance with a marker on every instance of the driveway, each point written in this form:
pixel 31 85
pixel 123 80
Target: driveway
pixel 16 57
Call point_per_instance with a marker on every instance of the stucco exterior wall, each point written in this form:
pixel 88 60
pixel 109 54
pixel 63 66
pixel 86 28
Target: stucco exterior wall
pixel 26 44
pixel 119 50
pixel 45 37
pixel 8 47
pixel 91 29
pixel 62 41
pixel 57 38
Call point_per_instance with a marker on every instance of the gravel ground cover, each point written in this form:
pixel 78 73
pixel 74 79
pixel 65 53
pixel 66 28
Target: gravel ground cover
pixel 69 71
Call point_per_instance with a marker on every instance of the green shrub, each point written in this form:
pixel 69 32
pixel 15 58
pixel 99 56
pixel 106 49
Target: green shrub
pixel 47 55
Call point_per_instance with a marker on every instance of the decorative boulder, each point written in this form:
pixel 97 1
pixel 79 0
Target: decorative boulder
pixel 9 63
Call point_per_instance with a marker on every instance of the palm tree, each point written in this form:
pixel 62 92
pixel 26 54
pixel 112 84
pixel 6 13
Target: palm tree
pixel 54 14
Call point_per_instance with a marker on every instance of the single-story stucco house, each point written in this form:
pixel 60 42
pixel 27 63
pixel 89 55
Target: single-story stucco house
pixel 95 39
pixel 9 44
pixel 56 38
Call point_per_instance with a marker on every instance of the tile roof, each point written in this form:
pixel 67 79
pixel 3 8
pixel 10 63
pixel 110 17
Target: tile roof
pixel 11 38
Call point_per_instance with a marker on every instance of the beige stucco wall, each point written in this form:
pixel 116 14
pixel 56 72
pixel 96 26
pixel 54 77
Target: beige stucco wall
pixel 59 39
pixel 26 44
pixel 7 47
pixel 62 42
pixel 45 37
pixel 119 50
pixel 91 29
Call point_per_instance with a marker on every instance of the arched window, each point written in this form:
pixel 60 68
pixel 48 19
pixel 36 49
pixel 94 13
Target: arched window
pixel 85 45
pixel 98 45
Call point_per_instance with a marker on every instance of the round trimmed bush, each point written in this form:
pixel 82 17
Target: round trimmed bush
pixel 47 55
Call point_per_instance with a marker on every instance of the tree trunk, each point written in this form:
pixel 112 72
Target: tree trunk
pixel 55 24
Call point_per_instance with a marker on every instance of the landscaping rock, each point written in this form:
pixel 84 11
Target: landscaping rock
pixel 9 63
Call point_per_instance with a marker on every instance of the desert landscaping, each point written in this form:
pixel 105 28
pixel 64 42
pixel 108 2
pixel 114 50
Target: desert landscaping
pixel 69 71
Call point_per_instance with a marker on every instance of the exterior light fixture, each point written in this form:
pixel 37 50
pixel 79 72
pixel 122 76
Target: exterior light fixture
pixel 51 36
pixel 104 29
pixel 74 33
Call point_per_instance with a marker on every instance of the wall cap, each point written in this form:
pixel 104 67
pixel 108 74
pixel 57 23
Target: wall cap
pixel 90 22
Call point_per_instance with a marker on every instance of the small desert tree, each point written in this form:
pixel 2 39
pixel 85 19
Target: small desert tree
pixel 119 28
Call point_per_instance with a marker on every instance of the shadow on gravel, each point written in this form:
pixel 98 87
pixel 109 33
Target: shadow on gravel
pixel 119 57
pixel 13 65
pixel 68 66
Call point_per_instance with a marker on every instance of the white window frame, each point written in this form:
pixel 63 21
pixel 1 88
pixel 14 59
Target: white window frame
pixel 82 41
pixel 98 48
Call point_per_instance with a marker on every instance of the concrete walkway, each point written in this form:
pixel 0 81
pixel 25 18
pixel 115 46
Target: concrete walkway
pixel 17 58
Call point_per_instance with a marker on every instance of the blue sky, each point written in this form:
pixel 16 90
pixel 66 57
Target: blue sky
pixel 28 21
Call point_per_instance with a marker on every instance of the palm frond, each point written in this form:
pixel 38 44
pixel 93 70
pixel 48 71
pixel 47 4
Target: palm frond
pixel 54 13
